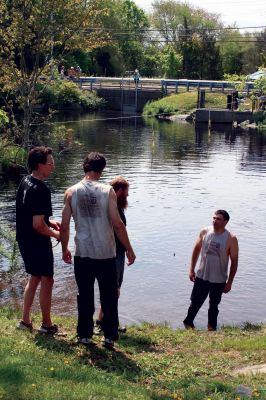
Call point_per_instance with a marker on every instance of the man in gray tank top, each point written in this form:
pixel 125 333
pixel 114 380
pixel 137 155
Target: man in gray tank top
pixel 216 245
pixel 93 206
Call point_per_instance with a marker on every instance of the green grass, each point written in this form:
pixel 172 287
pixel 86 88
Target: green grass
pixel 183 103
pixel 151 362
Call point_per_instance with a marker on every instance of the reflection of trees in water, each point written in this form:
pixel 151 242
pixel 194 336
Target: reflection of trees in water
pixel 254 156
pixel 251 144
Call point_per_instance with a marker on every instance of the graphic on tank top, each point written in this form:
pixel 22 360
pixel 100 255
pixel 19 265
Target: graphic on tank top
pixel 214 248
pixel 88 206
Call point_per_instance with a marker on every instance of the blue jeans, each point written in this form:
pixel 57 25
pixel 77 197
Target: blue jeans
pixel 200 291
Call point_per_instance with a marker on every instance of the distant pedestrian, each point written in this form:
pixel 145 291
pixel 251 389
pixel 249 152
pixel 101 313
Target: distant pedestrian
pixel 62 72
pixel 216 245
pixel 71 73
pixel 136 77
pixel 78 70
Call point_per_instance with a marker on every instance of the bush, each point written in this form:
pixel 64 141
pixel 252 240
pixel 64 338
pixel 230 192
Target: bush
pixel 64 93
pixel 183 103
pixel 11 155
pixel 3 118
pixel 260 117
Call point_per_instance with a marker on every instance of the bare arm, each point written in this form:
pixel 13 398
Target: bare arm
pixel 195 255
pixel 42 228
pixel 120 228
pixel 66 216
pixel 233 254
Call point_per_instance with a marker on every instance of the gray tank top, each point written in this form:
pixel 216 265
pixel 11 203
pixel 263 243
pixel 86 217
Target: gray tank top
pixel 94 236
pixel 214 259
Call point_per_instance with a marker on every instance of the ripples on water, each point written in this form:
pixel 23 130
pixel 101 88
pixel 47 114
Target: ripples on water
pixel 177 176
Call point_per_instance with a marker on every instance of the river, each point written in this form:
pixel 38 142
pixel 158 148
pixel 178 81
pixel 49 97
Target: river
pixel 178 176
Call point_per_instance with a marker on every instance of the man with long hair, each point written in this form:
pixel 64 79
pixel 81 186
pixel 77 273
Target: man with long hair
pixel 121 187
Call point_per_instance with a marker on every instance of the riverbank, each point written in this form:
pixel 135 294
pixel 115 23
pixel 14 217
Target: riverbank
pixel 150 362
pixel 184 103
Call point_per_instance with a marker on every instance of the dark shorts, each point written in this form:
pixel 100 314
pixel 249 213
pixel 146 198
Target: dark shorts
pixel 120 266
pixel 38 259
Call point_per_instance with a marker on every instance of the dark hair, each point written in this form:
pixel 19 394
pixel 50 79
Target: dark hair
pixel 224 214
pixel 94 161
pixel 119 183
pixel 38 155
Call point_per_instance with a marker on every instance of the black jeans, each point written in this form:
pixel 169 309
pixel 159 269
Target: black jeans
pixel 86 270
pixel 200 291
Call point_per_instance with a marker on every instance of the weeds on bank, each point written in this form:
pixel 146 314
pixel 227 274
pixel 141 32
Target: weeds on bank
pixel 151 362
pixel 183 103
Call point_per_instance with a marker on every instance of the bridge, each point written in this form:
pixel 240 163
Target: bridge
pixel 123 94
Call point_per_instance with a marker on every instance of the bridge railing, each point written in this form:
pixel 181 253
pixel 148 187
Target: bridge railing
pixel 165 85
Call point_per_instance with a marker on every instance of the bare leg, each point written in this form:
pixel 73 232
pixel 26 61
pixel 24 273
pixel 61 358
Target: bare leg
pixel 46 299
pixel 29 294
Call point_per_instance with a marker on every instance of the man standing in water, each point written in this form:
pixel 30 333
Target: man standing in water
pixel 120 186
pixel 93 206
pixel 34 230
pixel 216 245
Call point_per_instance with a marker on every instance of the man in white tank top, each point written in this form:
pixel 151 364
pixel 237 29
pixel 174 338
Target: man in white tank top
pixel 93 206
pixel 216 245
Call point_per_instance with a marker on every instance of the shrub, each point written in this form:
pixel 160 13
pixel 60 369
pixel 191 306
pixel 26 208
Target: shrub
pixel 260 116
pixel 11 155
pixel 3 118
pixel 63 93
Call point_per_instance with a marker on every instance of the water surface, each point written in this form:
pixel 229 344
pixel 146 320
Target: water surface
pixel 178 176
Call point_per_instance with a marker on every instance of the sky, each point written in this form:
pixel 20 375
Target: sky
pixel 244 13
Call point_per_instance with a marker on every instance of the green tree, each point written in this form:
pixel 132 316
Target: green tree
pixel 231 52
pixel 33 37
pixel 171 63
pixel 126 25
pixel 192 32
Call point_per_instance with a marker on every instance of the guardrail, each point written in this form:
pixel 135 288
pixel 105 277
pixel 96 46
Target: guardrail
pixel 165 85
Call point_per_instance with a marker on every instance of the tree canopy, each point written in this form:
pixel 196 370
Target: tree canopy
pixel 34 35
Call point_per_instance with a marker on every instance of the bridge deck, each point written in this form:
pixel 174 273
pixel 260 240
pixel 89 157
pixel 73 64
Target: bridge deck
pixel 164 85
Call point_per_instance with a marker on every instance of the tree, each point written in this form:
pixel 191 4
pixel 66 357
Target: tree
pixel 192 32
pixel 34 35
pixel 231 52
pixel 171 63
pixel 126 25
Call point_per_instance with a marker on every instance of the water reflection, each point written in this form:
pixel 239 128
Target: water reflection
pixel 178 175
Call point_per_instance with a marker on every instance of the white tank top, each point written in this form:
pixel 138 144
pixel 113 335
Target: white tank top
pixel 94 236
pixel 214 258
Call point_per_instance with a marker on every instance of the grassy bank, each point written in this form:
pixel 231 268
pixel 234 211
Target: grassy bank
pixel 183 103
pixel 151 362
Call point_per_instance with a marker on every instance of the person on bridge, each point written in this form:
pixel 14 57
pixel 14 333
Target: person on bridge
pixel 216 245
pixel 93 206
pixel 136 77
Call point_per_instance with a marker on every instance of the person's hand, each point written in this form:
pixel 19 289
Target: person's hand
pixel 227 287
pixel 130 256
pixel 67 257
pixel 192 276
pixel 57 235
pixel 55 225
